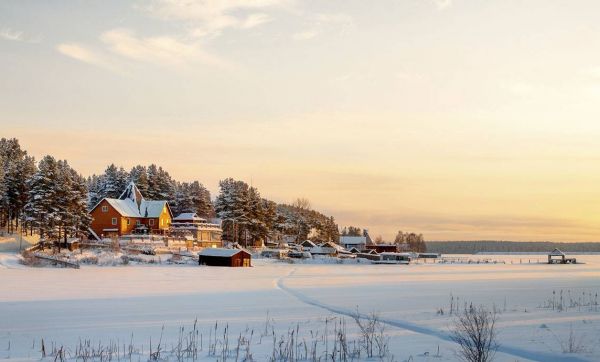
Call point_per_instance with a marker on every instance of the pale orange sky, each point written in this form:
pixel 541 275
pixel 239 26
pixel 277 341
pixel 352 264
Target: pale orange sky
pixel 456 119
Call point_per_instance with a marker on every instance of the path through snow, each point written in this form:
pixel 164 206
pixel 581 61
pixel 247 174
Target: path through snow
pixel 513 351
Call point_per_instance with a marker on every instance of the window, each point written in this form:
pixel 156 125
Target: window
pixel 104 208
pixel 138 223
pixel 128 221
pixel 151 222
pixel 114 221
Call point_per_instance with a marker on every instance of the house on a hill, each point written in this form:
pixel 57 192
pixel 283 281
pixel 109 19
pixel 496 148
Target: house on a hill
pixel 129 214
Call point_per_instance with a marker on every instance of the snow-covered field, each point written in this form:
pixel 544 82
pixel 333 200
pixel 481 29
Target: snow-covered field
pixel 129 305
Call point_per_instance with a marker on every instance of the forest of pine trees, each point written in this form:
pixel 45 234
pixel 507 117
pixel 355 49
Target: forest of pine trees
pixel 247 217
pixel 49 198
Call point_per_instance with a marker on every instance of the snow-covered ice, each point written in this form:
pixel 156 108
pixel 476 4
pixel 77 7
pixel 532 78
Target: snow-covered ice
pixel 105 304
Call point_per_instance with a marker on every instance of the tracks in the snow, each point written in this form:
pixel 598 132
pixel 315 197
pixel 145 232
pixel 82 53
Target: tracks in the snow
pixel 513 351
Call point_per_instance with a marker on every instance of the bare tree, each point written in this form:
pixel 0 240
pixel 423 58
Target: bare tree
pixel 302 203
pixel 475 333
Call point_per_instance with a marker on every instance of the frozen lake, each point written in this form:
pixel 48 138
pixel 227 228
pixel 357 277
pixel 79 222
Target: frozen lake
pixel 104 304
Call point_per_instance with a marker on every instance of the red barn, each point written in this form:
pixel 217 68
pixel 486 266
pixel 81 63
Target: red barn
pixel 130 213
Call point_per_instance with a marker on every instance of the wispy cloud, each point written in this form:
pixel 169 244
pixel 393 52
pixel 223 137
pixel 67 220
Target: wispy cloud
pixel 201 22
pixel 121 46
pixel 86 55
pixel 14 35
pixel 211 17
pixel 161 50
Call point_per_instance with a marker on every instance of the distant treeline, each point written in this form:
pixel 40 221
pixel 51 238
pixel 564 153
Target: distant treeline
pixel 472 247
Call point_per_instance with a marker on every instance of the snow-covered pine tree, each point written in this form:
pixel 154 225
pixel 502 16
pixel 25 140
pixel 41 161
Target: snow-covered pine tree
pixel 183 200
pixel 41 207
pixel 112 182
pixel 200 198
pixel 160 184
pixel 93 186
pixel 17 167
pixel 165 186
pixel 139 175
pixel 257 226
pixel 232 206
pixel 57 201
pixel 80 219
pixel 153 193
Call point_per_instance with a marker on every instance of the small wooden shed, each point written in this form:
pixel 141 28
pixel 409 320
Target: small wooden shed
pixel 556 256
pixel 225 257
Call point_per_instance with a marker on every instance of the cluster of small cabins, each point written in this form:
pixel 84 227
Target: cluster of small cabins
pixel 131 216
pixel 136 226
pixel 349 247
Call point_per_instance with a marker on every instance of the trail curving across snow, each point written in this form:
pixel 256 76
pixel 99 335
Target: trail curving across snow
pixel 513 351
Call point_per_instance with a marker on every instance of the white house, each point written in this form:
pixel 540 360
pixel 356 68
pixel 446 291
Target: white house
pixel 349 242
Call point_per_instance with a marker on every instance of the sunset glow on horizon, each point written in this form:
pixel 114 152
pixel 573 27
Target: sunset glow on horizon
pixel 459 120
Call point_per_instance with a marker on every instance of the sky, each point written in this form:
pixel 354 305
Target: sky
pixel 461 120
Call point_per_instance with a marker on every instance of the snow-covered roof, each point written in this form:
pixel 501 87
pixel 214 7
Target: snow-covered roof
pixel 152 208
pixel 353 240
pixel 131 203
pixel 147 208
pixel 308 243
pixel 329 244
pixel 189 216
pixel 132 193
pixel 323 250
pixel 124 207
pixel 220 252
pixel 556 252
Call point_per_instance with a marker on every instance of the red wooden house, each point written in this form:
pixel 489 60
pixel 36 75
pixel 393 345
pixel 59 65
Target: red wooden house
pixel 130 213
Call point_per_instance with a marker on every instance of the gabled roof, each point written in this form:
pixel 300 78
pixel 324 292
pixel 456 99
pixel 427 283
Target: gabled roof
pixel 153 208
pixel 124 207
pixel 308 244
pixel 132 193
pixel 131 203
pixel 147 208
pixel 220 252
pixel 354 240
pixel 189 216
pixel 557 252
